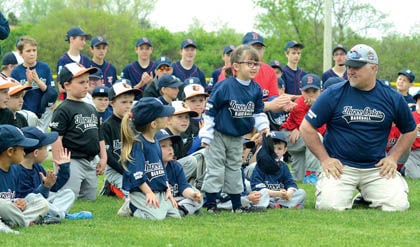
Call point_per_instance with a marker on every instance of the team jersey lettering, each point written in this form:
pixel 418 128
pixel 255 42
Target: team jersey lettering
pixel 275 187
pixel 153 170
pixel 241 110
pixel 362 115
pixel 9 195
pixel 86 123
pixel 117 147
pixel 175 189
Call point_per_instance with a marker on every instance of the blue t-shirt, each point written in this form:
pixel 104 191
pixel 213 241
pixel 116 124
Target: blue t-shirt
pixel 358 122
pixel 184 74
pixel 176 178
pixel 330 73
pixel 146 167
pixel 109 71
pixel 292 79
pixel 32 98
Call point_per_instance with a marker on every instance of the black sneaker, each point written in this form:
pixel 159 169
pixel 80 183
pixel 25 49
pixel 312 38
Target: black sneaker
pixel 106 190
pixel 48 220
pixel 213 210
pixel 359 201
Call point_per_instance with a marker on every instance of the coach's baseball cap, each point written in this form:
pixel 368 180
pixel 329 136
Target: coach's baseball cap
pixel 251 38
pixel 180 108
pixel 163 61
pixel 74 70
pixel 275 64
pixel 417 95
pixel 143 41
pixel 98 40
pixel 192 80
pixel 12 136
pixel 169 81
pixel 292 44
pixel 44 139
pixel 17 88
pixel 228 49
pixel 339 47
pixel 188 42
pixel 9 58
pixel 97 75
pixel 360 55
pixel 100 91
pixel 163 134
pixel 408 73
pixel 122 86
pixel 148 109
pixel 77 31
pixel 192 90
pixel 310 81
pixel 331 81
pixel 6 82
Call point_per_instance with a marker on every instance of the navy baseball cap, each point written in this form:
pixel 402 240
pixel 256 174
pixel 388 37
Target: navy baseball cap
pixel 275 64
pixel 97 75
pixel 251 38
pixel 11 136
pixel 280 83
pixel 331 81
pixel 122 86
pixel 277 135
pixel 417 95
pixel 148 109
pixel 248 143
pixel 339 47
pixel 188 42
pixel 44 139
pixel 292 44
pixel 142 41
pixel 163 134
pixel 77 31
pixel 100 91
pixel 228 49
pixel 408 73
pixel 74 70
pixel 98 40
pixel 9 58
pixel 310 81
pixel 192 80
pixel 163 61
pixel 360 55
pixel 169 81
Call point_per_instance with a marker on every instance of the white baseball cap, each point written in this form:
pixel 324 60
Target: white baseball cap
pixel 180 108
pixel 192 90
pixel 122 86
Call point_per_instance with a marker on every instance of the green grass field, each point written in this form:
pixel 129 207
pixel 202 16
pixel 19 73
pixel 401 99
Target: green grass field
pixel 280 227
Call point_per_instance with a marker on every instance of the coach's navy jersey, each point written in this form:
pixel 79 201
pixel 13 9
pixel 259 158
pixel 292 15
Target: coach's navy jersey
pixel 8 183
pixel 146 167
pixel 109 71
pixel 29 180
pixel 112 136
pixel 77 122
pixel 282 179
pixel 232 106
pixel 32 98
pixel 66 59
pixel 330 73
pixel 184 74
pixel 292 79
pixel 134 71
pixel 176 178
pixel 359 122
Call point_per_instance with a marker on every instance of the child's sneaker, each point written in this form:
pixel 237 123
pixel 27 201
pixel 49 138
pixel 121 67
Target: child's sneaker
pixel 213 210
pixel 310 179
pixel 125 209
pixel 6 229
pixel 299 206
pixel 238 211
pixel 80 215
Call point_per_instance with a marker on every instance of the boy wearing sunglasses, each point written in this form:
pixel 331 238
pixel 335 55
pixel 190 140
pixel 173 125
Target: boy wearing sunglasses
pixel 163 67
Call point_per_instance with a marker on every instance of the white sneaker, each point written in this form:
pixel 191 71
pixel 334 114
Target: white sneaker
pixel 125 209
pixel 6 229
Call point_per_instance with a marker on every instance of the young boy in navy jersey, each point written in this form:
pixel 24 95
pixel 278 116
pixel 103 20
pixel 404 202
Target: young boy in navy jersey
pixel 233 110
pixel 79 131
pixel 141 72
pixel 292 73
pixel 405 80
pixel 272 176
pixel 38 75
pixel 101 102
pixel 76 38
pixel 16 211
pixel 99 49
pixel 185 68
pixel 169 88
pixel 189 199
pixel 339 70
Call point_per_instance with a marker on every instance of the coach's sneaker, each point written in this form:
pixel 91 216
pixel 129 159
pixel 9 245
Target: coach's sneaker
pixel 80 215
pixel 359 201
pixel 6 229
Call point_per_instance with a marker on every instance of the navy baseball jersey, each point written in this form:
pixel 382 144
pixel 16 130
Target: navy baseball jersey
pixel 330 73
pixel 32 98
pixel 146 167
pixel 176 178
pixel 282 179
pixel 8 183
pixel 359 122
pixel 134 71
pixel 109 71
pixel 184 74
pixel 65 59
pixel 292 79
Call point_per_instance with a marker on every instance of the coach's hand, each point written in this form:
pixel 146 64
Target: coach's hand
pixel 332 167
pixel 389 167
